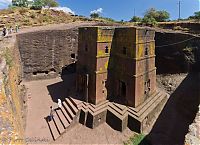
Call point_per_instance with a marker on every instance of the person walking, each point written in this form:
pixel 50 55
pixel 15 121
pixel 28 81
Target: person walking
pixel 51 113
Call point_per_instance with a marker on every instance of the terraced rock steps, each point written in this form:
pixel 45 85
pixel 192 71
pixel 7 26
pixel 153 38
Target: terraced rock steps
pixel 64 118
pixel 116 115
pixel 92 115
pixel 136 118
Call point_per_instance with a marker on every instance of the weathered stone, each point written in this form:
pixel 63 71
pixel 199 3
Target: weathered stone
pixel 47 52
pixel 178 53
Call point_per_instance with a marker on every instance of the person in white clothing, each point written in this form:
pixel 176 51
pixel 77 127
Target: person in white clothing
pixel 59 103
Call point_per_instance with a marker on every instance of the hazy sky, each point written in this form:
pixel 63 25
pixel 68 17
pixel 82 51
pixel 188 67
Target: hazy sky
pixel 124 9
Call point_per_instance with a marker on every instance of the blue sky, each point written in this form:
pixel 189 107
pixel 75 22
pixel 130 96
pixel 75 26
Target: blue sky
pixel 124 9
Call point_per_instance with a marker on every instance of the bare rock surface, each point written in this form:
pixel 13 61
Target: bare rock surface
pixel 193 136
pixel 169 82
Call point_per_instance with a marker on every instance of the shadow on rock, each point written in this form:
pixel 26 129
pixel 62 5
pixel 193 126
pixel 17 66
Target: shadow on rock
pixel 63 89
pixel 179 112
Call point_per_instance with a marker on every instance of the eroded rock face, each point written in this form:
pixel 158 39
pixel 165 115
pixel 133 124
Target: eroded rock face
pixel 11 98
pixel 177 53
pixel 45 53
pixel 193 136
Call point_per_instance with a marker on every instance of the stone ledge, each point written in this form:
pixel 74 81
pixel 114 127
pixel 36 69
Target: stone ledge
pixel 119 117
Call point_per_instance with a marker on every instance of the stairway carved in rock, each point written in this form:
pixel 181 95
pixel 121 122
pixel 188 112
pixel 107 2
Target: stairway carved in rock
pixel 63 118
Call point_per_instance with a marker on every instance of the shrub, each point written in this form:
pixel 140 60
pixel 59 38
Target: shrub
pixel 136 19
pixel 94 15
pixel 32 15
pixel 22 11
pixel 7 54
pixel 149 21
pixel 36 7
pixel 27 22
pixel 46 19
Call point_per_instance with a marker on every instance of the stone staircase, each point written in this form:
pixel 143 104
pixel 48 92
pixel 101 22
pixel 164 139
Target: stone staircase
pixel 64 118
pixel 137 119
pixel 92 115
pixel 118 116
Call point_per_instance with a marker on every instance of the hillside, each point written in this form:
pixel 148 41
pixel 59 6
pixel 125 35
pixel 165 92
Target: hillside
pixel 25 17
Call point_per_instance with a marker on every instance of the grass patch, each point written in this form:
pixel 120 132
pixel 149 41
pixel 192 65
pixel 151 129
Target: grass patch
pixel 7 54
pixel 188 49
pixel 138 139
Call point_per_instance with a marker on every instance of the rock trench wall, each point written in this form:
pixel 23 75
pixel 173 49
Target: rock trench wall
pixel 177 52
pixel 12 95
pixel 45 53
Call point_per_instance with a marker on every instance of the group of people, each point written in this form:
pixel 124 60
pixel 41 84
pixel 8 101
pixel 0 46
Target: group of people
pixel 9 30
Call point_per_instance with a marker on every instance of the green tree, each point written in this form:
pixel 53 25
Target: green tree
pixel 37 4
pixel 50 3
pixel 94 15
pixel 20 3
pixel 159 16
pixel 195 16
pixel 149 21
pixel 152 16
pixel 135 19
pixel 163 16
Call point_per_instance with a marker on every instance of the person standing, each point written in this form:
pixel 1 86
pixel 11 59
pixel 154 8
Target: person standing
pixel 16 28
pixel 59 103
pixel 4 31
pixel 11 30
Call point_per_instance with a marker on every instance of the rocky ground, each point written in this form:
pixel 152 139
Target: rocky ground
pixel 169 82
pixel 193 136
pixel 25 17
pixel 6 126
pixel 7 132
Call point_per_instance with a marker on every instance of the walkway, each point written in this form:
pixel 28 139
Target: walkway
pixel 38 106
